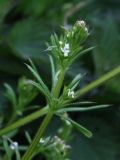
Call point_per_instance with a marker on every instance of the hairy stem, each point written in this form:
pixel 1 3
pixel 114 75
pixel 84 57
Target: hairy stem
pixel 59 83
pixel 25 120
pixel 31 148
pixel 46 121
pixel 98 82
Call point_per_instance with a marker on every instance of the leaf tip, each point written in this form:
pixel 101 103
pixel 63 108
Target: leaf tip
pixel 89 135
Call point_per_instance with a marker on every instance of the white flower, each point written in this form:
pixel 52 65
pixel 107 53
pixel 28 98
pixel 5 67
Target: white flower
pixel 71 93
pixel 41 140
pixel 86 29
pixel 14 145
pixel 66 46
pixel 65 50
pixel 66 54
pixel 67 122
pixel 82 23
pixel 60 42
pixel 67 35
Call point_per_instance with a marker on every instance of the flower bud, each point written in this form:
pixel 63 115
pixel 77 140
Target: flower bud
pixel 77 34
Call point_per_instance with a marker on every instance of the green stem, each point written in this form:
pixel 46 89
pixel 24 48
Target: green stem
pixel 37 137
pixel 25 120
pixel 59 83
pixel 98 82
pixel 46 121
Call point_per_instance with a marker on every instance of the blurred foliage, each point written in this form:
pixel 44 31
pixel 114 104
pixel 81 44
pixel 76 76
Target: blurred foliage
pixel 25 26
pixel 103 145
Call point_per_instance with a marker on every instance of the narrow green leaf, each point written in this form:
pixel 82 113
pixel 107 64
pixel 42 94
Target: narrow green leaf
pixel 51 48
pixel 11 95
pixel 64 29
pixel 18 157
pixel 45 88
pixel 81 109
pixel 53 69
pixel 78 126
pixel 75 52
pixel 40 89
pixel 25 120
pixel 31 108
pixel 77 104
pixel 53 40
pixel 55 82
pixel 33 66
pixel 82 53
pixel 63 95
pixel 12 133
pixel 7 148
pixel 56 39
pixel 28 137
pixel 54 46
pixel 75 82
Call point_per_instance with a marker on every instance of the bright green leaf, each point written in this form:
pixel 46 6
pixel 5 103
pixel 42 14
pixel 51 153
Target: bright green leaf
pixel 45 89
pixel 33 66
pixel 53 69
pixel 77 104
pixel 18 157
pixel 28 137
pixel 82 53
pixel 48 96
pixel 11 95
pixel 32 107
pixel 78 126
pixel 75 82
pixel 81 109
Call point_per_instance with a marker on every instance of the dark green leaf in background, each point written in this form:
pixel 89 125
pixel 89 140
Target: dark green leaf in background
pixel 5 6
pixel 104 144
pixel 27 39
pixel 107 54
pixel 35 8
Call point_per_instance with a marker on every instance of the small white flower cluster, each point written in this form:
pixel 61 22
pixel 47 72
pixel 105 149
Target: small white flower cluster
pixel 60 42
pixel 13 145
pixel 67 122
pixel 71 93
pixel 83 24
pixel 65 49
pixel 41 140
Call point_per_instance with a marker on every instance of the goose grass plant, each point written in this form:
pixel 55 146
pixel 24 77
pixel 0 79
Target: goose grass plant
pixel 61 98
